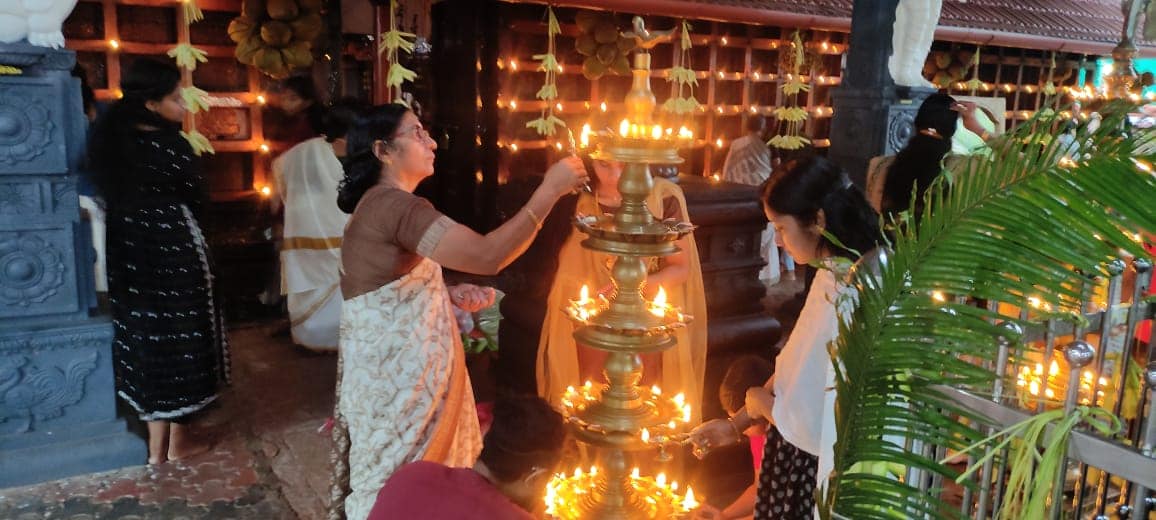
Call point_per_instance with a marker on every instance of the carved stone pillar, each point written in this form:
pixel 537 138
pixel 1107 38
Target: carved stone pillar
pixel 872 116
pixel 57 401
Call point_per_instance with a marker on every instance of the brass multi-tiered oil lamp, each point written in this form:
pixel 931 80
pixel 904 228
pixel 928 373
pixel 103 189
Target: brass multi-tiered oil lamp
pixel 618 416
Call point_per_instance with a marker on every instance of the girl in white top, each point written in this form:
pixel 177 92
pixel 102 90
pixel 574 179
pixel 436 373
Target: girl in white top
pixel 810 202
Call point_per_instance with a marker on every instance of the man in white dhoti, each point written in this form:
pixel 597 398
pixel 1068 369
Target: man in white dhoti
pixel 749 162
pixel 306 178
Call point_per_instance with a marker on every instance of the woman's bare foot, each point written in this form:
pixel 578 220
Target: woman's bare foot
pixel 158 441
pixel 183 444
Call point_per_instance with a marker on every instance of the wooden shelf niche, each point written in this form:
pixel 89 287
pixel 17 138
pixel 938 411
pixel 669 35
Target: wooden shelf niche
pixel 740 69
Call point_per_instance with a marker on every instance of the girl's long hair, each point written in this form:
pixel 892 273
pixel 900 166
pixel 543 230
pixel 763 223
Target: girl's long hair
pixel 921 161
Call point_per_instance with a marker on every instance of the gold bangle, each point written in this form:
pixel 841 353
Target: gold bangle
pixel 534 218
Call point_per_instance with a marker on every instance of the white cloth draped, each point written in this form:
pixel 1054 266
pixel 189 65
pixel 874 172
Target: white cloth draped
pixel 404 392
pixel 307 177
pixel 804 409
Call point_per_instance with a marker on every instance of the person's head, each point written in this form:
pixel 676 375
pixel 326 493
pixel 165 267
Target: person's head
pixel 385 141
pixel 606 174
pixel 335 125
pixel 743 374
pixel 920 161
pixel 298 93
pixel 935 116
pixel 155 85
pixel 812 197
pixel 151 101
pixel 757 126
pixel 522 447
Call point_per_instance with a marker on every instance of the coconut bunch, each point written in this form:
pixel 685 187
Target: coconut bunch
pixel 602 44
pixel 276 36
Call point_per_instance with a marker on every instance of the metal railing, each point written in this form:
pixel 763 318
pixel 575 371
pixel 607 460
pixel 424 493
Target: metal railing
pixel 1060 364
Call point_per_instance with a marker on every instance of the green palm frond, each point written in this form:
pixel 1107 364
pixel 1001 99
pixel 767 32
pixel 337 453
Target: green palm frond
pixel 1020 223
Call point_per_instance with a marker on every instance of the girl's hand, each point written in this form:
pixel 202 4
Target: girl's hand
pixel 471 298
pixel 711 435
pixel 967 112
pixel 759 403
pixel 707 512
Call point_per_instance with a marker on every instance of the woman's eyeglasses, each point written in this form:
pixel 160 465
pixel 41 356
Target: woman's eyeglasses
pixel 417 132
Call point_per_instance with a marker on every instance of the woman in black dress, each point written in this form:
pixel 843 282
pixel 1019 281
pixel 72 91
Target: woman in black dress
pixel 169 348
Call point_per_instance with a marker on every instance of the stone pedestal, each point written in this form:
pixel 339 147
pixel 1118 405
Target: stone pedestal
pixel 57 400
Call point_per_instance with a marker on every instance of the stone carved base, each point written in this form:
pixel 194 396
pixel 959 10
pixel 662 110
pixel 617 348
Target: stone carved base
pixel 870 123
pixel 57 398
pixel 58 405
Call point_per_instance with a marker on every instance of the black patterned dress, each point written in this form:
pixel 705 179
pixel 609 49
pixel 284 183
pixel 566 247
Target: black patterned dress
pixel 170 350
pixel 786 481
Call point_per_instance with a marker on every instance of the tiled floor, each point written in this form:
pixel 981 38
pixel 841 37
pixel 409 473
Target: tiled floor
pixel 269 461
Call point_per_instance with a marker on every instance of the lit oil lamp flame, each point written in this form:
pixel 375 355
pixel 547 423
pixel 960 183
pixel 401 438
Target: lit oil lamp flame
pixel 584 295
pixel 588 385
pixel 656 132
pixel 584 137
pixel 660 479
pixel 655 390
pixel 602 106
pixel 577 473
pixel 680 399
pixel 645 436
pixel 624 128
pixel 635 474
pixel 658 305
pixel 674 485
pixel 688 502
pixel 938 296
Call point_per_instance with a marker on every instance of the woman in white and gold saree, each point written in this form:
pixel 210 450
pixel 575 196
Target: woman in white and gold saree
pixel 403 391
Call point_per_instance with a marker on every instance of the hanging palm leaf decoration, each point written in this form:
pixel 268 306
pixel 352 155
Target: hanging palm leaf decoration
pixel 548 63
pixel 196 100
pixel 1019 225
pixel 792 117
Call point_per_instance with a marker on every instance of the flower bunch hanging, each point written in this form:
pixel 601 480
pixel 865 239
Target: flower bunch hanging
pixel 196 100
pixel 548 63
pixel 793 115
pixel 393 41
pixel 682 78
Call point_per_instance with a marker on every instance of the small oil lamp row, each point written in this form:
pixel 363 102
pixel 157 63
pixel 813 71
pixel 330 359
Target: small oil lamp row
pixel 1033 385
pixel 638 131
pixel 564 494
pixel 585 309
pixel 576 400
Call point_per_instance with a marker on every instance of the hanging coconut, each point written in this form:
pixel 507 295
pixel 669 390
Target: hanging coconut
pixel 276 36
pixel 601 43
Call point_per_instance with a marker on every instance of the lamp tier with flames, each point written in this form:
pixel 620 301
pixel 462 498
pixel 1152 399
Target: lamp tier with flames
pixel 619 416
